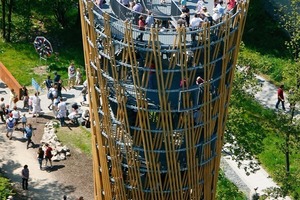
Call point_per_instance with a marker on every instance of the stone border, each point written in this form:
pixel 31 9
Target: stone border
pixel 59 151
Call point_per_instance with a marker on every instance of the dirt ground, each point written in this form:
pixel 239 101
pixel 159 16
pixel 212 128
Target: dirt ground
pixel 72 177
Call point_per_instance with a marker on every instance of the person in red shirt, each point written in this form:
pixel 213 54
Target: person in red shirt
pixel 151 76
pixel 280 97
pixel 141 24
pixel 48 155
pixel 230 4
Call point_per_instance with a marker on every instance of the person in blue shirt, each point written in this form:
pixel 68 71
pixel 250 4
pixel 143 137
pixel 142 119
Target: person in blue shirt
pixel 28 133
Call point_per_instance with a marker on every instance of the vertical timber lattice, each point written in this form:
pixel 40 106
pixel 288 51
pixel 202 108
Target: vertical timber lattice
pixel 156 134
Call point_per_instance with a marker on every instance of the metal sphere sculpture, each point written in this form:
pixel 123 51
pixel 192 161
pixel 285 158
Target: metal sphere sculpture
pixel 42 46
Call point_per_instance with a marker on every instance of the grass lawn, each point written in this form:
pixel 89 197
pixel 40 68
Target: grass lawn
pixel 270 151
pixel 227 190
pixel 78 137
pixel 5 188
pixel 20 60
pixel 23 62
pixel 273 159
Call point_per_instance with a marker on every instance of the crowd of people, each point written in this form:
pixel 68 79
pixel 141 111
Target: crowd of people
pixel 11 115
pixel 15 118
pixel 201 14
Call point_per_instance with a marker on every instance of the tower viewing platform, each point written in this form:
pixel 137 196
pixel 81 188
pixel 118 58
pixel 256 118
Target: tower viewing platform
pixel 159 95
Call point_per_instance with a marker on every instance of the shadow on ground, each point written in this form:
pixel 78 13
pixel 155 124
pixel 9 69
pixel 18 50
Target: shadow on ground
pixel 38 189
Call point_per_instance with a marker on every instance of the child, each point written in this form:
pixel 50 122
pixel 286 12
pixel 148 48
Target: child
pixel 24 121
pixel 78 77
pixel 54 105
pixel 7 111
pixel 30 105
pixel 84 93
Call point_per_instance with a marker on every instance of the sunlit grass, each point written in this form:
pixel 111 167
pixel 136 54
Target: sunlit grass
pixel 78 138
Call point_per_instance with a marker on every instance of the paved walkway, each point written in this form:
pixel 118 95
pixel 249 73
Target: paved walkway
pixel 267 96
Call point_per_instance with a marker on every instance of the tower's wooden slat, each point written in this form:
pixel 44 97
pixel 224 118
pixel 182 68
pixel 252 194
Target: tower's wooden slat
pixel 147 144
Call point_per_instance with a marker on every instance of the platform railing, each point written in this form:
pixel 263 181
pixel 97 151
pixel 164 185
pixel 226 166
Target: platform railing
pixel 119 26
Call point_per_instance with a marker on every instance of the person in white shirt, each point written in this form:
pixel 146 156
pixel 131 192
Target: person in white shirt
pixel 36 104
pixel 195 24
pixel 150 19
pixel 62 111
pixel 78 77
pixel 74 114
pixel 71 75
pixel 216 15
pixel 221 8
pixel 12 98
pixel 16 115
pixel 54 106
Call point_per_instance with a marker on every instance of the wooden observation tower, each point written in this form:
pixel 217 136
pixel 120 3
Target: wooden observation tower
pixel 157 133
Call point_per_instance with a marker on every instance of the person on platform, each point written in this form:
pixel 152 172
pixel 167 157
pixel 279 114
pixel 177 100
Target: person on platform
pixel 182 20
pixel 221 8
pixel 186 11
pixel 125 3
pixel 231 4
pixel 150 20
pixel 137 7
pixel 141 24
pixel 151 75
pixel 195 24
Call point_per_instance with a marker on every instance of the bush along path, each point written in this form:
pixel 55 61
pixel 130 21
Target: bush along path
pixel 257 182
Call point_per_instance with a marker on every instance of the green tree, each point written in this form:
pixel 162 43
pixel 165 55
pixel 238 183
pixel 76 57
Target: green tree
pixel 290 21
pixel 243 135
pixel 62 10
pixel 3 20
pixel 7 8
pixel 288 127
pixel 227 190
